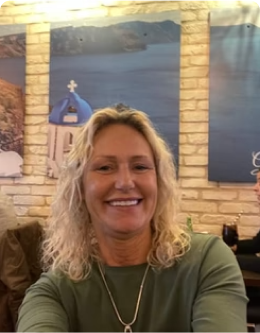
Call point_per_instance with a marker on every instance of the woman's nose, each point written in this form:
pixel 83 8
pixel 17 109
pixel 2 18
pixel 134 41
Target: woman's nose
pixel 124 179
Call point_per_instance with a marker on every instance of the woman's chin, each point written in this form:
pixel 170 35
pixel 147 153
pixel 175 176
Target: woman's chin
pixel 127 228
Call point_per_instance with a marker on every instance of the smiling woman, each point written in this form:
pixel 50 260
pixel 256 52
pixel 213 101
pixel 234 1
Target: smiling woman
pixel 114 250
pixel 117 155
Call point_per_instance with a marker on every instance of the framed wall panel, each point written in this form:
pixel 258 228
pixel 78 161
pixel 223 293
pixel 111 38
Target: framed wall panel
pixel 133 60
pixel 12 97
pixel 234 108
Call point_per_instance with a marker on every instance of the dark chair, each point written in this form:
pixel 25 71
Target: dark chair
pixel 20 267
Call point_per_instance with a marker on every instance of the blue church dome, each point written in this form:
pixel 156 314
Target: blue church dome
pixel 72 100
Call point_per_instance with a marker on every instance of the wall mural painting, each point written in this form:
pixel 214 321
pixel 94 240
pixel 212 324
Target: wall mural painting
pixel 96 63
pixel 12 97
pixel 234 114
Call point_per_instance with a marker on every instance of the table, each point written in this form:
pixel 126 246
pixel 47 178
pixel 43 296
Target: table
pixel 251 279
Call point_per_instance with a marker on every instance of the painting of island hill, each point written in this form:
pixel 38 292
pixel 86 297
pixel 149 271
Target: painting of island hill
pixel 12 97
pixel 101 62
pixel 234 107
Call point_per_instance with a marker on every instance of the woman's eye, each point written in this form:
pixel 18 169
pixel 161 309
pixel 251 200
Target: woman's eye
pixel 141 167
pixel 105 168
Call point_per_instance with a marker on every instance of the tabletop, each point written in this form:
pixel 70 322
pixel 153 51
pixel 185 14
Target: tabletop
pixel 251 279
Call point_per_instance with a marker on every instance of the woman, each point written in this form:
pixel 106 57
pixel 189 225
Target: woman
pixel 246 249
pixel 118 259
pixel 250 246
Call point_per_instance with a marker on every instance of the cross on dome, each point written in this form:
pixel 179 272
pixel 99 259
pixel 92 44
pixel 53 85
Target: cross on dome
pixel 72 85
pixel 71 103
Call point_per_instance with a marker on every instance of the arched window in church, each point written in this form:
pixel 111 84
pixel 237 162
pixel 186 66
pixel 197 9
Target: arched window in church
pixel 67 143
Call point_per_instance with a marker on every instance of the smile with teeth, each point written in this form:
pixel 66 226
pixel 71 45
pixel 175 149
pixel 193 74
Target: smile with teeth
pixel 124 203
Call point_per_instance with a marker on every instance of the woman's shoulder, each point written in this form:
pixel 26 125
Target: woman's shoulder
pixel 207 247
pixel 208 257
pixel 201 242
pixel 57 282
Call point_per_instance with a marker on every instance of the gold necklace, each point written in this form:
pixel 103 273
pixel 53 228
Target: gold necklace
pixel 127 326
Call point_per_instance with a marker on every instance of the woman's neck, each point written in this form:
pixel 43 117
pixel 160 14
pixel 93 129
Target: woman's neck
pixel 125 252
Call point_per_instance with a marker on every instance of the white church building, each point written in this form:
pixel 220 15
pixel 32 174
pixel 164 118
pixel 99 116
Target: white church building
pixel 65 118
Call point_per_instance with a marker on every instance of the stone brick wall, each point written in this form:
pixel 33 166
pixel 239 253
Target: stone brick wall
pixel 210 204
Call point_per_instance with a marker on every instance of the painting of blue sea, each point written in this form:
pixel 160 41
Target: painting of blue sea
pixel 12 96
pixel 234 108
pixel 133 60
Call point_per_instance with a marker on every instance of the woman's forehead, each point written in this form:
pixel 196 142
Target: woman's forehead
pixel 118 136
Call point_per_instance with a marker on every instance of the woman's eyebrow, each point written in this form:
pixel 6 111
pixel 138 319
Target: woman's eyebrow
pixel 114 157
pixel 110 157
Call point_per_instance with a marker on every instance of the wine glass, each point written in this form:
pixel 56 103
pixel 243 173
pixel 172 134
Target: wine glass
pixel 230 234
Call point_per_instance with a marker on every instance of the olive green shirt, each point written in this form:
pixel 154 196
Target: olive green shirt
pixel 203 292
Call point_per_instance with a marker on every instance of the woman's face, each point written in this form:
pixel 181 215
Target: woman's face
pixel 120 182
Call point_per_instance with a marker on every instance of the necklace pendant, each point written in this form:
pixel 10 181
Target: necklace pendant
pixel 128 328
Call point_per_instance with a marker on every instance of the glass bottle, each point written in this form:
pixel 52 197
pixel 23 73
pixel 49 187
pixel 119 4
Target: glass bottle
pixel 189 223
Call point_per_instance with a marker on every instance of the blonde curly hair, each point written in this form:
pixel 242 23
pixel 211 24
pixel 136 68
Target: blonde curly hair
pixel 70 246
